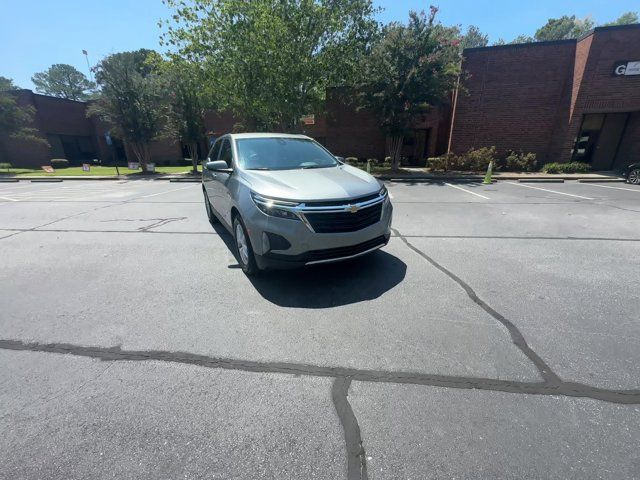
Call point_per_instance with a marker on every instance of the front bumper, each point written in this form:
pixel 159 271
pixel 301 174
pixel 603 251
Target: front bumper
pixel 308 247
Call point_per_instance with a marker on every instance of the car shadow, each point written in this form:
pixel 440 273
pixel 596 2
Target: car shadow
pixel 330 285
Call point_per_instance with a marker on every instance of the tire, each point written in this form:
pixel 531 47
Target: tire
pixel 212 216
pixel 246 258
pixel 634 176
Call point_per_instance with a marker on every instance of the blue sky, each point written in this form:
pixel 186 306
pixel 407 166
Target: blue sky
pixel 37 33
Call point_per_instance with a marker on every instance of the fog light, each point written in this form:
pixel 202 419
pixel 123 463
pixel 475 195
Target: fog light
pixel 266 245
pixel 277 242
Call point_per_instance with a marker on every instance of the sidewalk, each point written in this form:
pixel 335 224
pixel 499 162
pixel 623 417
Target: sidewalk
pixel 416 174
pixel 424 174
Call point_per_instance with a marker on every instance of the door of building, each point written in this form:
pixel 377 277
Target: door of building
pixel 599 138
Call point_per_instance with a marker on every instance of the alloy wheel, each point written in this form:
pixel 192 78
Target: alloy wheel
pixel 241 243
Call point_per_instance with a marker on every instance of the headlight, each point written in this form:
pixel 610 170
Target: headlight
pixel 275 208
pixel 383 191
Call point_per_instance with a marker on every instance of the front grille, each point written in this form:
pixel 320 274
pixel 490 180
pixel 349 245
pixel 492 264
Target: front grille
pixel 339 222
pixel 334 203
pixel 330 253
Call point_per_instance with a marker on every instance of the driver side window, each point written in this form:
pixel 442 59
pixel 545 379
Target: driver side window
pixel 215 150
pixel 225 153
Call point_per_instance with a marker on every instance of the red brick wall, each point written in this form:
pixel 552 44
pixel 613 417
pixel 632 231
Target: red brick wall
pixel 514 97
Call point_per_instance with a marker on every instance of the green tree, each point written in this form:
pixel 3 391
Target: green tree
pixel 186 102
pixel 64 81
pixel 522 39
pixel 131 99
pixel 16 121
pixel 271 61
pixel 474 38
pixel 564 28
pixel 412 68
pixel 7 84
pixel 627 18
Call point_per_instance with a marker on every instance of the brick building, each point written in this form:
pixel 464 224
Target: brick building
pixel 563 100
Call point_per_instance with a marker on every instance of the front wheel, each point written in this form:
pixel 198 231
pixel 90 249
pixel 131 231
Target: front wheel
pixel 212 216
pixel 634 176
pixel 243 245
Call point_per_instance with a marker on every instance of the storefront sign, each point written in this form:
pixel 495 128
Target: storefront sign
pixel 626 68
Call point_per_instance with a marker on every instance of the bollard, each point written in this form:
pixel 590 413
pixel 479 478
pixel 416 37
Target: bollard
pixel 368 166
pixel 487 177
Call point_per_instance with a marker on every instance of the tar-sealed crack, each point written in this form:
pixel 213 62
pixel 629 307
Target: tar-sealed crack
pixel 516 336
pixel 356 457
pixel 560 388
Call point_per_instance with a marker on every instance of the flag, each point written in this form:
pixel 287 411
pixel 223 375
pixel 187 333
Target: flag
pixel 84 52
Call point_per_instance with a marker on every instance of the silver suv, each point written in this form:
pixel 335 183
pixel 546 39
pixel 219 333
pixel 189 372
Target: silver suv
pixel 288 202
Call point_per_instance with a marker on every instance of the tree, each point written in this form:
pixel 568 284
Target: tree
pixel 627 18
pixel 16 121
pixel 131 99
pixel 564 28
pixel 186 105
pixel 271 61
pixel 64 81
pixel 412 68
pixel 474 38
pixel 7 84
pixel 522 39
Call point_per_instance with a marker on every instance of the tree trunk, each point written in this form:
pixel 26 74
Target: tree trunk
pixel 141 151
pixel 193 152
pixel 394 147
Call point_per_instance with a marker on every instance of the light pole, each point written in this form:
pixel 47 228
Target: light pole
pixel 86 55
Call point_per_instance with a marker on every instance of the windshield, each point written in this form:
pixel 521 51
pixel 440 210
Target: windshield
pixel 282 154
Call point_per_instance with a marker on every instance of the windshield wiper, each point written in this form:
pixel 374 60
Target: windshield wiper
pixel 259 168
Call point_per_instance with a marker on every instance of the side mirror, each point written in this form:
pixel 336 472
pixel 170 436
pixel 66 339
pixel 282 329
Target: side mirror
pixel 340 159
pixel 217 166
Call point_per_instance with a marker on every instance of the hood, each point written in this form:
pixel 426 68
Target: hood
pixel 334 183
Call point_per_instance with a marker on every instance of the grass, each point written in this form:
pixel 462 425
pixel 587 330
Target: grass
pixel 95 171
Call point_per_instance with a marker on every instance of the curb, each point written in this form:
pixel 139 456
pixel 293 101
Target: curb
pixel 45 180
pixel 9 180
pixel 541 180
pixel 601 180
pixel 184 180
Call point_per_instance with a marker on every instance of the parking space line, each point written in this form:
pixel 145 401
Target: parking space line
pixel 467 191
pixel 162 193
pixel 637 190
pixel 552 191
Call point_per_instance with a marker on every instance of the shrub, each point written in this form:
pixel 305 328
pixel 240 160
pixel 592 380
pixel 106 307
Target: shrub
pixel 519 162
pixel 570 167
pixel 442 163
pixel 5 166
pixel 478 159
pixel 59 163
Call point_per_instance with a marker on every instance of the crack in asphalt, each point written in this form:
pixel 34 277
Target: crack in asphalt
pixel 356 457
pixel 157 222
pixel 562 388
pixel 548 375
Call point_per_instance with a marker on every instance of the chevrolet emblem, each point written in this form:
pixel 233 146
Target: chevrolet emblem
pixel 353 208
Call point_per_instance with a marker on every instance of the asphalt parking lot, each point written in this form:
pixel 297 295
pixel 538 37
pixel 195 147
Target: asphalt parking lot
pixel 496 336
